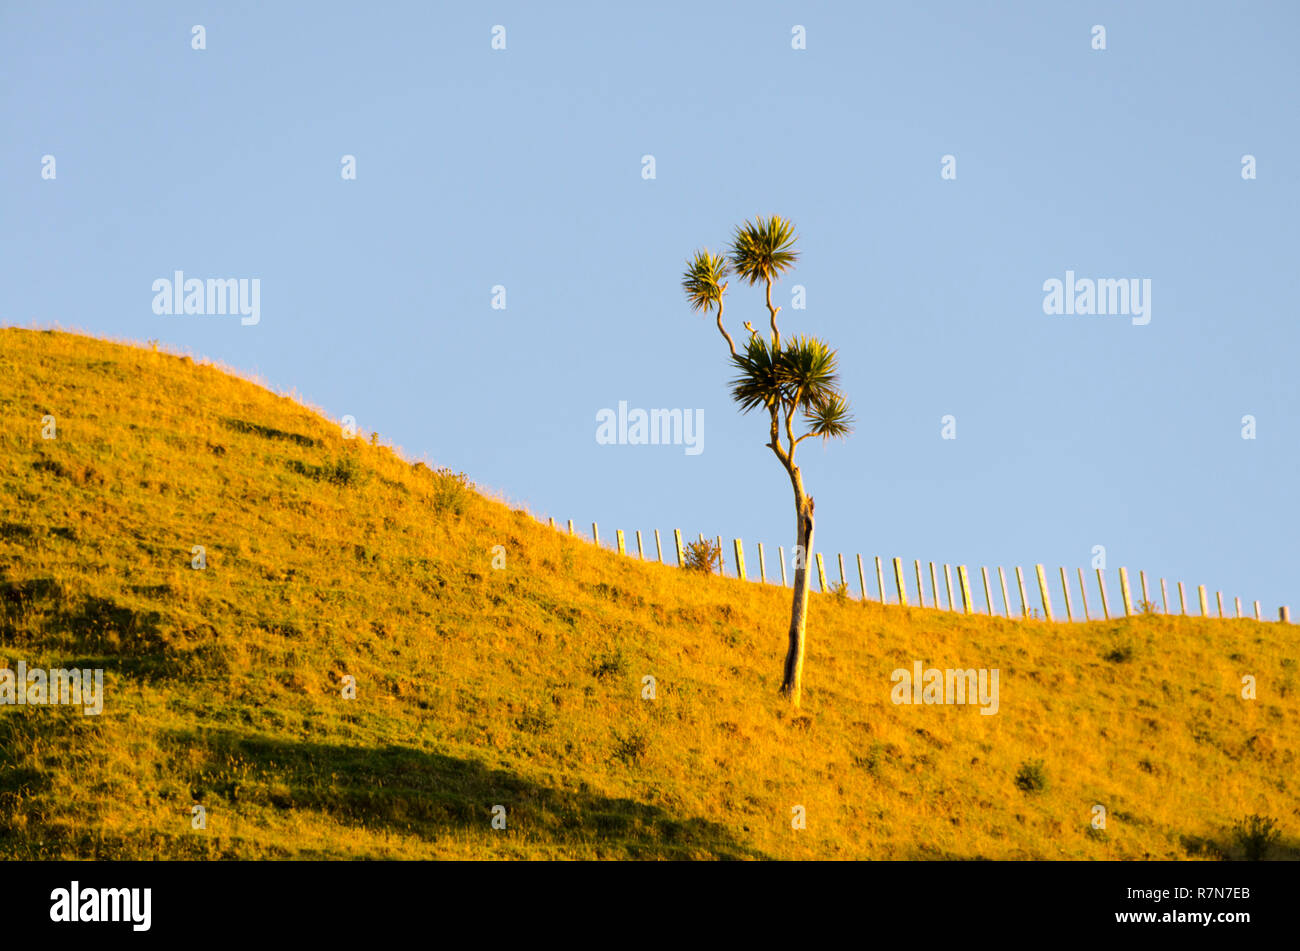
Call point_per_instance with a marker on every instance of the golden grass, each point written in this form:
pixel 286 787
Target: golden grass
pixel 522 687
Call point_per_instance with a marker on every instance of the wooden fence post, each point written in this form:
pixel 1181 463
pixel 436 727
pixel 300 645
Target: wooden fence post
pixel 1164 595
pixel 595 534
pixel 821 572
pixel 640 552
pixel 677 539
pixel 1142 577
pixel 659 548
pixel 947 584
pixel 551 522
pixel 1124 592
pixel 920 586
pixel 934 586
pixel 1182 598
pixel 1006 602
pixel 762 564
pixel 844 581
pixel 570 526
pixel 1284 614
pixel 722 564
pixel 1024 601
pixel 1042 587
pixel 988 597
pixel 1083 594
pixel 740 560
pixel 618 535
pixel 1205 604
pixel 1257 617
pixel 862 579
pixel 1238 600
pixel 880 580
pixel 967 601
pixel 1065 586
pixel 1218 595
pixel 1101 584
pixel 899 582
pixel 780 550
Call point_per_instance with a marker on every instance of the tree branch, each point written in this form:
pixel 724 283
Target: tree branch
pixel 775 442
pixel 789 422
pixel 776 334
pixel 721 329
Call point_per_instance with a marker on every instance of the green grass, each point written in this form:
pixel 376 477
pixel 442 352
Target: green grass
pixel 332 558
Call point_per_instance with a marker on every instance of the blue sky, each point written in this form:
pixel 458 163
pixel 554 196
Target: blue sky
pixel 523 167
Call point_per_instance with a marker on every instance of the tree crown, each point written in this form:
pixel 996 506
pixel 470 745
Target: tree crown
pixel 763 249
pixel 797 376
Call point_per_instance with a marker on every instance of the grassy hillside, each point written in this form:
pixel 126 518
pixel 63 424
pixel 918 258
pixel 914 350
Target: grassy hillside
pixel 329 558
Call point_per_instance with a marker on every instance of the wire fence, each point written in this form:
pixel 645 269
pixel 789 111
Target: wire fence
pixel 963 598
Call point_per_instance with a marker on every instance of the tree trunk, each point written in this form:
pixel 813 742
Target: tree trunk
pixel 792 684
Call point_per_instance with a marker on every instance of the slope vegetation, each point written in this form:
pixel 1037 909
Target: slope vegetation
pixel 333 562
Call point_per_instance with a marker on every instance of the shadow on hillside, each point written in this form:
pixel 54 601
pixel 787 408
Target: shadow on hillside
pixel 1223 847
pixel 431 795
pixel 44 612
pixel 1285 850
pixel 140 643
pixel 1227 846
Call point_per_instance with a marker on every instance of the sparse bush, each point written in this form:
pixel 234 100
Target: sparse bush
pixel 613 664
pixel 341 471
pixel 631 748
pixel 1120 653
pixel 871 762
pixel 703 556
pixel 1031 777
pixel 1147 607
pixel 1256 835
pixel 451 492
pixel 840 589
pixel 535 720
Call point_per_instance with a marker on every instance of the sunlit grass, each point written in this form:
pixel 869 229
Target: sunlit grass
pixel 329 557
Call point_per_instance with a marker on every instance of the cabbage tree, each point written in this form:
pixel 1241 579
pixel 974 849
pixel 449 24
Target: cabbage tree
pixel 794 381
